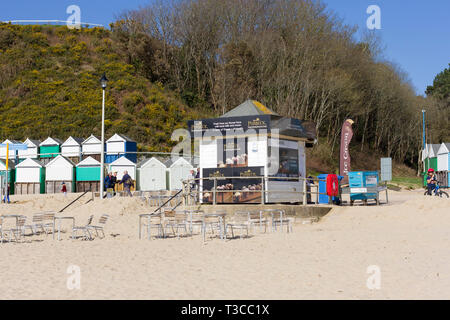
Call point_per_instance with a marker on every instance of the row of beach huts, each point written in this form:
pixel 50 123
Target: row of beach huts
pixel 44 166
pixel 437 157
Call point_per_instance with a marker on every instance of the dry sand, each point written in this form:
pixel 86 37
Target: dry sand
pixel 409 240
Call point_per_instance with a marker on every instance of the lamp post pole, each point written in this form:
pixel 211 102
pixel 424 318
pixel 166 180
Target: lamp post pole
pixel 103 81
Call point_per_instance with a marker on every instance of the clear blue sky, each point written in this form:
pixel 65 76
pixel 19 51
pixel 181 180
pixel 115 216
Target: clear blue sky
pixel 415 33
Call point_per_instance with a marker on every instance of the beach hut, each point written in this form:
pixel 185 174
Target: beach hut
pixel 48 149
pixel 179 170
pixel 120 165
pixel 151 175
pixel 71 149
pixel 91 147
pixel 88 175
pixel 32 151
pixel 30 177
pixel 432 155
pixel 11 173
pixel 12 153
pixel 120 145
pixel 443 157
pixel 57 171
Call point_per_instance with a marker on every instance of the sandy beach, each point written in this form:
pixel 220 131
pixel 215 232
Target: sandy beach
pixel 408 240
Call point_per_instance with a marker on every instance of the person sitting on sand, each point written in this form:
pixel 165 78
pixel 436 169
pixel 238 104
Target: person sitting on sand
pixel 431 181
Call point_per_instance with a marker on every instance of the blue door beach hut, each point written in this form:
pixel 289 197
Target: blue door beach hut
pixel 31 152
pixel 179 170
pixel 57 171
pixel 30 177
pixel 151 175
pixel 88 175
pixel 71 149
pixel 11 173
pixel 120 145
pixel 120 165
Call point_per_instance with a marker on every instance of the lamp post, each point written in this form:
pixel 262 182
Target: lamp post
pixel 104 82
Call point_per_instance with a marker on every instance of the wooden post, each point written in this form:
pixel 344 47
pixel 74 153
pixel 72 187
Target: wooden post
pixel 305 201
pixel 214 190
pixel 263 200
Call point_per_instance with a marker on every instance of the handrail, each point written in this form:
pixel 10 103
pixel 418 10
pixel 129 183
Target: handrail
pixel 161 206
pixel 73 202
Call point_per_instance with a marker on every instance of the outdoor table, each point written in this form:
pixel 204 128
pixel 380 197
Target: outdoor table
pixel 59 224
pixel 221 216
pixel 16 216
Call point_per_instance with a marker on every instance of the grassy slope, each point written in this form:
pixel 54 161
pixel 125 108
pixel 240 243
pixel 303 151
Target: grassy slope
pixel 49 86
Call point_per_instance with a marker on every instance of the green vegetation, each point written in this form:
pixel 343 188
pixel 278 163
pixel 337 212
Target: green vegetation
pixel 49 86
pixel 407 182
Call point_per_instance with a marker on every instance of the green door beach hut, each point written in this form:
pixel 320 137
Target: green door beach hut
pixel 48 149
pixel 32 151
pixel 88 175
pixel 57 171
pixel 11 173
pixel 30 177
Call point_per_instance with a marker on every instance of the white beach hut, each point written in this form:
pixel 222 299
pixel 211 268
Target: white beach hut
pixel 91 147
pixel 88 175
pixel 12 153
pixel 57 171
pixel 443 157
pixel 71 149
pixel 151 175
pixel 32 151
pixel 179 170
pixel 120 165
pixel 30 177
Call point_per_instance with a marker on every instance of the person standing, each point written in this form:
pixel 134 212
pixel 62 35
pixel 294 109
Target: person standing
pixel 64 189
pixel 127 183
pixel 114 182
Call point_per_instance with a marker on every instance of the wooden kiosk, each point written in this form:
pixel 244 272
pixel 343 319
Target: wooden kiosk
pixel 250 149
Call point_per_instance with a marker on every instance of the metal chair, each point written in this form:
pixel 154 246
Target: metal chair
pixel 85 229
pixel 240 221
pixel 278 218
pixel 152 221
pixel 18 231
pixel 102 222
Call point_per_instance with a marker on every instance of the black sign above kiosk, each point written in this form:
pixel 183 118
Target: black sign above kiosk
pixel 224 125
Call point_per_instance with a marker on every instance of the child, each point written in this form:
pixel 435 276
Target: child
pixel 64 189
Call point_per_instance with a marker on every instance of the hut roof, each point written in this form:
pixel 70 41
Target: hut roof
pixel 121 137
pixel 51 142
pixel 71 139
pixel 122 161
pixel 28 162
pixel 444 148
pixel 92 139
pixel 11 164
pixel 59 157
pixel 433 150
pixel 89 162
pixel 170 162
pixel 32 141
pixel 144 162
pixel 249 108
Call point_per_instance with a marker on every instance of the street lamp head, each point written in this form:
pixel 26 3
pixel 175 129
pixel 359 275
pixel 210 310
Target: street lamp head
pixel 104 81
